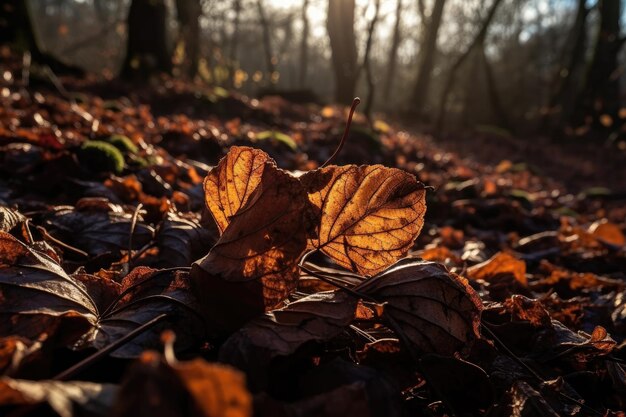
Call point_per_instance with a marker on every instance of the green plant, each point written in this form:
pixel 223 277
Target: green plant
pixel 100 156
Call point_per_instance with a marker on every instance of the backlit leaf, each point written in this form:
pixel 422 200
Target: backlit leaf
pixel 369 216
pixel 228 187
pixel 254 263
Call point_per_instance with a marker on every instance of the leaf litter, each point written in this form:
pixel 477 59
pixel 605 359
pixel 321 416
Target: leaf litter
pixel 292 288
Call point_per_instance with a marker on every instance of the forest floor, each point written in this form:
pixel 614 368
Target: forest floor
pixel 96 243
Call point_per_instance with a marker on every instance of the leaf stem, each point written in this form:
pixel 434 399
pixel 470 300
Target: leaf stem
pixel 346 131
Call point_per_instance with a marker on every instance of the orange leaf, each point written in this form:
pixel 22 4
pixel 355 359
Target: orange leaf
pixel 608 233
pixel 218 390
pixel 369 216
pixel 229 186
pixel 262 240
pixel 500 263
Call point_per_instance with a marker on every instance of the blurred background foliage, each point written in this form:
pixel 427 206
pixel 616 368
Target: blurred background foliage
pixel 507 67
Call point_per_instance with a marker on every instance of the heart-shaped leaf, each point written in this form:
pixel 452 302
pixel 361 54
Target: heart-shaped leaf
pixel 437 311
pixel 261 244
pixel 368 216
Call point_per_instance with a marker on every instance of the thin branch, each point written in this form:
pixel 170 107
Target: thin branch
pixel 90 360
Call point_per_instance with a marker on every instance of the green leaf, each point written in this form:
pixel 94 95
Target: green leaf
pixel 278 136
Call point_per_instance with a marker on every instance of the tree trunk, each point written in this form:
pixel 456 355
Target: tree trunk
pixel 189 12
pixel 427 59
pixel 146 51
pixel 17 30
pixel 601 93
pixel 392 60
pixel 478 40
pixel 560 104
pixel 304 46
pixel 16 27
pixel 494 97
pixel 340 25
pixel 367 64
pixel 267 41
pixel 233 57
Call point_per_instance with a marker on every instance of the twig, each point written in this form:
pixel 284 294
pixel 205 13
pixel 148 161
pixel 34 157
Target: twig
pixel 133 223
pixel 346 131
pixel 363 334
pixel 47 236
pixel 90 360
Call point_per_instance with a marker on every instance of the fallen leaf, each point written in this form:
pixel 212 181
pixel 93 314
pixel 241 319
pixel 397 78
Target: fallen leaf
pixel 15 350
pixel 368 216
pixel 97 232
pixel 67 399
pixel 143 295
pixel 254 263
pixel 35 291
pixel 154 388
pixel 9 218
pixel 228 187
pixel 217 389
pixel 181 240
pixel 608 233
pixel 40 301
pixel 437 311
pixel 500 263
pixel 317 317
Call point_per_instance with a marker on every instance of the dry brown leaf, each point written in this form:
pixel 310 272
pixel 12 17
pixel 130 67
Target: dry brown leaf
pixel 14 351
pixel 40 301
pixel 229 186
pixel 500 263
pixel 437 311
pixel 317 317
pixel 254 262
pixel 9 218
pixel 608 233
pixel 67 399
pixel 439 254
pixel 218 390
pixel 154 388
pixel 368 216
pixel 38 296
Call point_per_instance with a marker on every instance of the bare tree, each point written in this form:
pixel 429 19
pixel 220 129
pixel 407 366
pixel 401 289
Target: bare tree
pixel 340 25
pixel 304 46
pixel 367 110
pixel 561 100
pixel 427 57
pixel 478 40
pixel 600 95
pixel 267 40
pixel 392 60
pixel 17 29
